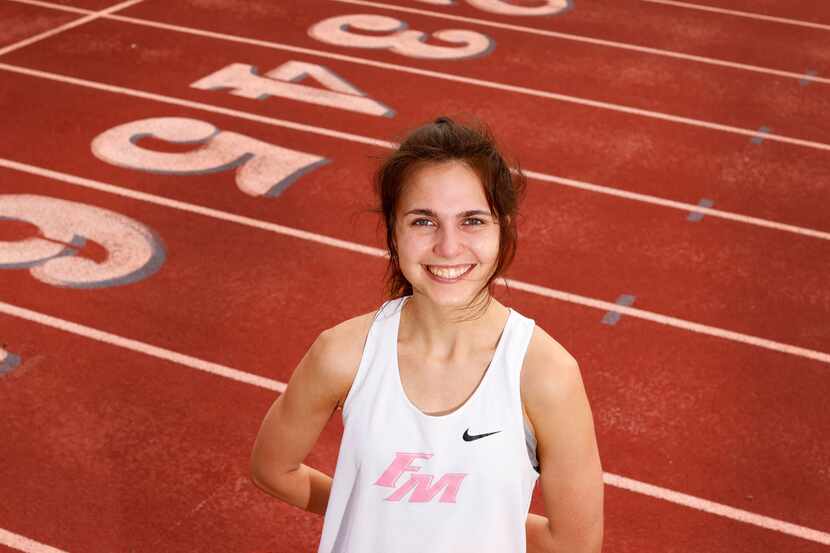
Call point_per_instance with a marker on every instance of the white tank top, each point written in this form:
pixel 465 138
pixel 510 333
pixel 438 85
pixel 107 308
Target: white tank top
pixel 408 482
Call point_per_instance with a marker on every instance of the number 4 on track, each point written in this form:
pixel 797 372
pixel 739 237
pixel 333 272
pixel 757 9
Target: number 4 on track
pixel 243 80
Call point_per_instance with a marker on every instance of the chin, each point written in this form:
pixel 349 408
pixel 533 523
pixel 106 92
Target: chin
pixel 457 294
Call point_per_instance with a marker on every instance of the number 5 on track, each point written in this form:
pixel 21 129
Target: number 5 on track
pixel 262 169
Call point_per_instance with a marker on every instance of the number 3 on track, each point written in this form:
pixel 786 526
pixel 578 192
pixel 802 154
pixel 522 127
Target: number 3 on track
pixel 262 169
pixel 134 252
pixel 337 30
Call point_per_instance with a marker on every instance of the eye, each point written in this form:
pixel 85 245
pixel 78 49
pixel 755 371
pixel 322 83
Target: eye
pixel 471 221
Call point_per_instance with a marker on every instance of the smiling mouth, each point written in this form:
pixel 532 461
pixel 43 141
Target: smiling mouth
pixel 452 273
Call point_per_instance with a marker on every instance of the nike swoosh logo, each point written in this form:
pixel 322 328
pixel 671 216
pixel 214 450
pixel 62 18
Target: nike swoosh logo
pixel 469 438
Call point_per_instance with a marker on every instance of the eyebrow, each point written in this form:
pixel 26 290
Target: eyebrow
pixel 430 213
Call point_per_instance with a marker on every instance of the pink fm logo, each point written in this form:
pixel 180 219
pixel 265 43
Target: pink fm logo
pixel 421 486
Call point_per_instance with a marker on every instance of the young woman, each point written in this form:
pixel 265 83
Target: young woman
pixel 453 404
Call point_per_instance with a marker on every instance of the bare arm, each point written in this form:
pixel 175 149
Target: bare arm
pixel 294 422
pixel 571 472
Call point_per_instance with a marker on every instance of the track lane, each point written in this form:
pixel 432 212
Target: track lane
pixel 714 272
pixel 806 10
pixel 611 149
pixel 708 93
pixel 129 449
pixel 21 22
pixel 212 301
pixel 88 4
pixel 639 23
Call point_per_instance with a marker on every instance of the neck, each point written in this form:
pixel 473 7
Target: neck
pixel 435 331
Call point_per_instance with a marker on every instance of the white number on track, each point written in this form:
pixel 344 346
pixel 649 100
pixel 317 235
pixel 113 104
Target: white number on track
pixel 547 7
pixel 242 80
pixel 262 169
pixel 134 252
pixel 338 30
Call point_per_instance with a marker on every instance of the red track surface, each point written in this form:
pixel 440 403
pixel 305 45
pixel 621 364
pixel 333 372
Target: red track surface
pixel 115 450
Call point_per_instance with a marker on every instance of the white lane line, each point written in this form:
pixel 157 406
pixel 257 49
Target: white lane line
pixel 645 198
pixel 192 208
pixel 71 25
pixel 623 482
pixel 667 320
pixel 197 105
pixel 529 30
pixel 691 121
pixel 719 509
pixel 59 7
pixel 22 543
pixel 682 206
pixel 601 305
pixel 750 15
pixel 141 347
pixel 586 39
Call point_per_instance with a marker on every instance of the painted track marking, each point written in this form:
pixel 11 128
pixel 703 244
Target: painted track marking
pixel 22 543
pixel 615 480
pixel 530 30
pixel 589 40
pixel 717 508
pixel 682 206
pixel 377 252
pixel 610 106
pixel 645 198
pixel 65 27
pixel 750 15
pixel 142 347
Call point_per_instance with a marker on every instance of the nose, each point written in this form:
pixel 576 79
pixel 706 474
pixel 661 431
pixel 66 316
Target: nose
pixel 448 242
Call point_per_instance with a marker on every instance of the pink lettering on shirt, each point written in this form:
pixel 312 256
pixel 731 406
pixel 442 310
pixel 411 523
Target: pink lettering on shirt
pixel 421 486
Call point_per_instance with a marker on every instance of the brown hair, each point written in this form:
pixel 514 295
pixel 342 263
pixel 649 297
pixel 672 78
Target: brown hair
pixel 441 141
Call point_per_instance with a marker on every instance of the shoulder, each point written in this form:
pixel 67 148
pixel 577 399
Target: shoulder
pixel 550 374
pixel 337 351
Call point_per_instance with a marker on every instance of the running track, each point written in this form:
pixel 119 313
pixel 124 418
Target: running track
pixel 152 303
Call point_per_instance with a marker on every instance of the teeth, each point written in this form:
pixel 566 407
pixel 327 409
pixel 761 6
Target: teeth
pixel 448 273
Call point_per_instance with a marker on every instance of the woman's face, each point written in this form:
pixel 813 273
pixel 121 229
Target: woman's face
pixel 448 242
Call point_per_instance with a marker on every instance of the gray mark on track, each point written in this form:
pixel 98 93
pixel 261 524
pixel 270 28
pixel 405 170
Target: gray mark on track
pixel 808 77
pixel 611 317
pixel 696 216
pixel 8 362
pixel 759 136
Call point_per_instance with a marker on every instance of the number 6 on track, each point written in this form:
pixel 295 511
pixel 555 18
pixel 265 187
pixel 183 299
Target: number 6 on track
pixel 262 169
pixel 134 252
